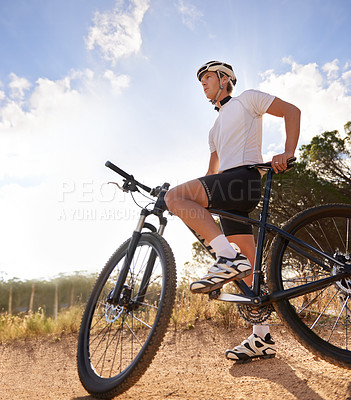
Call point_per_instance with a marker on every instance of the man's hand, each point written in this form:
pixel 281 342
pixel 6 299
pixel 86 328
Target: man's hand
pixel 279 161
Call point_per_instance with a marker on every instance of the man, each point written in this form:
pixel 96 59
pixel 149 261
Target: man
pixel 235 141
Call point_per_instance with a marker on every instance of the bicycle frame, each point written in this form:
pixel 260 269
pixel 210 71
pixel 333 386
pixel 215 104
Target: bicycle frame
pixel 252 296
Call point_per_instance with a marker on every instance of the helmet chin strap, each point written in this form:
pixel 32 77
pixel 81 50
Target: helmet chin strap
pixel 221 87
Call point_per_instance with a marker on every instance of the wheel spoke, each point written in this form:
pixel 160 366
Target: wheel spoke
pixel 115 353
pixel 103 355
pixel 348 236
pixel 314 239
pixel 312 301
pixel 100 335
pixel 325 236
pixel 336 322
pixel 338 232
pixel 320 315
pixel 139 320
pixel 134 335
pixel 147 305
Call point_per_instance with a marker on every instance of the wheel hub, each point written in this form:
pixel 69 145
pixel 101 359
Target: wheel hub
pixel 344 284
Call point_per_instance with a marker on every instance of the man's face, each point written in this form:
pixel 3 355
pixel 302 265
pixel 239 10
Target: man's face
pixel 210 84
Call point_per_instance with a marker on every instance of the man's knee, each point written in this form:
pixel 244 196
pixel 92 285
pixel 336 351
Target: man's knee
pixel 192 191
pixel 171 197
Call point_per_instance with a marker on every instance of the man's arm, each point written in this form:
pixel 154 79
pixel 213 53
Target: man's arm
pixel 213 164
pixel 291 115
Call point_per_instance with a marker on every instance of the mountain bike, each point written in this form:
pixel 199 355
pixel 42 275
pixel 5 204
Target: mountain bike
pixel 306 280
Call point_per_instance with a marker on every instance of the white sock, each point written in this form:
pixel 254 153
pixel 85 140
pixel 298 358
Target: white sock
pixel 222 247
pixel 261 330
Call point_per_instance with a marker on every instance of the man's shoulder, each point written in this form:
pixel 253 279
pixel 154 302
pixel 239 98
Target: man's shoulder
pixel 254 97
pixel 251 93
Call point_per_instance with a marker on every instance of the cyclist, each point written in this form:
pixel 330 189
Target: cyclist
pixel 235 141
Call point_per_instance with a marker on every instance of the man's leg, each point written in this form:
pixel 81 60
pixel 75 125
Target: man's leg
pixel 247 247
pixel 261 333
pixel 188 202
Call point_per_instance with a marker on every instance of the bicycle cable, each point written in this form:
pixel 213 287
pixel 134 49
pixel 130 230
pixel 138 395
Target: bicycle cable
pixel 139 204
pixel 149 198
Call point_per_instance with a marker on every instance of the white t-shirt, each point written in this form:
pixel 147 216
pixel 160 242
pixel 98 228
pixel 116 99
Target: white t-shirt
pixel 237 132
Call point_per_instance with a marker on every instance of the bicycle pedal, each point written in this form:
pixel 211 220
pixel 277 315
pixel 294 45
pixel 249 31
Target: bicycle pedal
pixel 214 294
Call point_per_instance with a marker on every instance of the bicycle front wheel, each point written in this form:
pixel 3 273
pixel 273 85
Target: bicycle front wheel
pixel 321 320
pixel 116 344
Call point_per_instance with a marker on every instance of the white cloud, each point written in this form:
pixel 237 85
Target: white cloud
pixel 18 86
pixel 331 68
pixel 117 33
pixel 2 95
pixel 117 82
pixel 346 76
pixel 48 98
pixel 190 14
pixel 325 102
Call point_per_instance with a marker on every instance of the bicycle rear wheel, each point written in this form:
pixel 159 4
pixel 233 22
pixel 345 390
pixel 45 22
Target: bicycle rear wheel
pixel 116 344
pixel 321 320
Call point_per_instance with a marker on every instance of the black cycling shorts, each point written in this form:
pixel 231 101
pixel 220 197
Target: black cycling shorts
pixel 236 190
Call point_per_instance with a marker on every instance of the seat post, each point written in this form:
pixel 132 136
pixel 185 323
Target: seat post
pixel 261 234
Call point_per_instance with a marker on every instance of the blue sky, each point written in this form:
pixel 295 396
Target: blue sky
pixel 82 82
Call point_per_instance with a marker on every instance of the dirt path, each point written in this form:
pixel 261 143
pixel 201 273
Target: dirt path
pixel 190 365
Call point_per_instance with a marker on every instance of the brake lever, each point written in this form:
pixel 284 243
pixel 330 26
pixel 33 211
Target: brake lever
pixel 115 183
pixel 128 186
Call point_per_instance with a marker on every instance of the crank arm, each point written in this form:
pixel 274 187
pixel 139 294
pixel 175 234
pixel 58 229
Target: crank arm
pixel 239 299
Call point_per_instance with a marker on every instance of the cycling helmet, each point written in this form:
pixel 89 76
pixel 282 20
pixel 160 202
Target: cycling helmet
pixel 219 67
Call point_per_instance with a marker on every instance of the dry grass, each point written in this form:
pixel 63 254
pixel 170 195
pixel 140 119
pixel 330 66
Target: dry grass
pixel 188 309
pixel 36 324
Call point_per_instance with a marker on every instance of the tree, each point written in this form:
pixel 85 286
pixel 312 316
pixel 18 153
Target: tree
pixel 299 189
pixel 329 156
pixel 29 296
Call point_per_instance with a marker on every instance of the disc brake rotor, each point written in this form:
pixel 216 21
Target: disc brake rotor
pixel 112 313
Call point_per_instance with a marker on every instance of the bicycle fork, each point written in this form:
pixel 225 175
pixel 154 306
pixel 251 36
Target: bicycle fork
pixel 116 295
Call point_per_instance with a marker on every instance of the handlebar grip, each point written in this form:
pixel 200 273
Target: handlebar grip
pixel 290 160
pixel 119 171
pixel 126 176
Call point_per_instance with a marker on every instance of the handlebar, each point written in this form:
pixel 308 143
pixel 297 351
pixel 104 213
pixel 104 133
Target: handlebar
pixel 129 178
pixel 119 171
pixel 268 165
pixel 131 183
